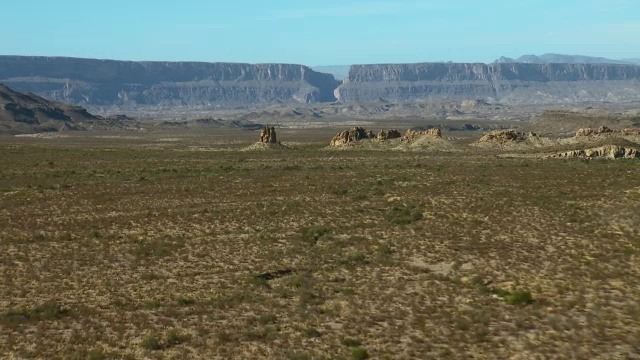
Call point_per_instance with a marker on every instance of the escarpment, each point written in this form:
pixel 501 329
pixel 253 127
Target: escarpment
pixel 190 85
pixel 518 83
pixel 144 85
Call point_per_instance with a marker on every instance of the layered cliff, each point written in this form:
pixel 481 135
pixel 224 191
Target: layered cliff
pixel 131 84
pixel 497 82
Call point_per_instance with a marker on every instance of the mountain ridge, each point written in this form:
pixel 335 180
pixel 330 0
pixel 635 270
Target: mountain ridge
pixel 565 59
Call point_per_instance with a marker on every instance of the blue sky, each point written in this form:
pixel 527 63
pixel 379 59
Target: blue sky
pixel 330 32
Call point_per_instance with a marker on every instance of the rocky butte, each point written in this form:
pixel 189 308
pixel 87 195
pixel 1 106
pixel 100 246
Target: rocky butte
pixel 515 83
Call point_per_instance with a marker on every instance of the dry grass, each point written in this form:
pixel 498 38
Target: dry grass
pixel 120 249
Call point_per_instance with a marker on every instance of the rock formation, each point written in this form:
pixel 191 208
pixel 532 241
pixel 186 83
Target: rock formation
pixel 514 83
pixel 590 131
pixel 350 137
pixel 388 134
pixel 607 151
pixel 268 141
pixel 630 132
pixel 505 136
pixel 412 135
pixel 130 85
pixel 268 135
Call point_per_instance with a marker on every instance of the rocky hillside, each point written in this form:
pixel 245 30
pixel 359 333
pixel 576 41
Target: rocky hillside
pixel 107 84
pixel 515 83
pixel 28 111
pixel 20 113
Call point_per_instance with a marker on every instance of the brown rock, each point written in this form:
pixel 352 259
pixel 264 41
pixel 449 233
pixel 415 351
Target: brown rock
pixel 412 135
pixel 351 136
pixel 630 132
pixel 607 151
pixel 504 136
pixel 388 134
pixel 268 135
pixel 590 131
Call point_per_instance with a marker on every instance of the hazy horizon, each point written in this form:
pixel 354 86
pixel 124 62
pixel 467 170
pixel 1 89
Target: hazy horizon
pixel 336 33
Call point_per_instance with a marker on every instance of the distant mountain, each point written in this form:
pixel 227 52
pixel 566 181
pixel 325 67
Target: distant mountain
pixel 565 59
pixel 340 72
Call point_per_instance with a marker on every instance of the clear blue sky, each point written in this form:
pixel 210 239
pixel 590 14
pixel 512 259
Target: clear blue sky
pixel 330 32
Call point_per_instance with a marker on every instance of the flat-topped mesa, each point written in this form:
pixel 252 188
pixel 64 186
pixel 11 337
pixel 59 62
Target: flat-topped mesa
pixel 155 84
pixel 268 135
pixel 607 151
pixel 350 137
pixel 412 135
pixel 492 83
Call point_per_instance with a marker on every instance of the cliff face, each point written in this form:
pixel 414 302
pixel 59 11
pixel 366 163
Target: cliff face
pixel 130 84
pixel 498 82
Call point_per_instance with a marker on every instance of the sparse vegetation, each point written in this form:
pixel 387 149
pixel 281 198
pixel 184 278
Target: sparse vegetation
pixel 226 254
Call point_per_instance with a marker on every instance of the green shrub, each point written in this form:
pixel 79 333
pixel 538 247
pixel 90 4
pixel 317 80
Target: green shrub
pixel 404 214
pixel 519 297
pixel 312 332
pixel 152 342
pixel 174 337
pixel 348 342
pixel 313 234
pixel 359 353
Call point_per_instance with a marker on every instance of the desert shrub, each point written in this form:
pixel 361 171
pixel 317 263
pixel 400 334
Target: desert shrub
pixel 182 301
pixel 313 234
pixel 174 337
pixel 47 311
pixel 152 342
pixel 311 332
pixel 349 342
pixel 400 214
pixel 359 353
pixel 519 297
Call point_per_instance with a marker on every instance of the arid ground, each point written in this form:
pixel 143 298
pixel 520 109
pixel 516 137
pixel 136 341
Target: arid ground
pixel 179 246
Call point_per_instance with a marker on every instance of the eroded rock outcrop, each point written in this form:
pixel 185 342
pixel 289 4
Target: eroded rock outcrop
pixel 268 141
pixel 591 132
pixel 412 135
pixel 350 137
pixel 388 134
pixel 505 136
pixel 608 151
pixel 268 135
